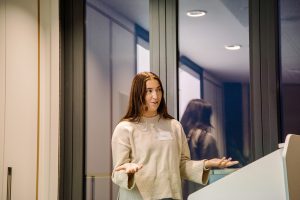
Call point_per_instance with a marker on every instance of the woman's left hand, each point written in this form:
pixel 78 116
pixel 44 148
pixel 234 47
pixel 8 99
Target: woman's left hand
pixel 220 163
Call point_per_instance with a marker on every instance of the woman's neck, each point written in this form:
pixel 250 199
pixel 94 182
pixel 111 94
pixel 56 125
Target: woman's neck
pixel 150 114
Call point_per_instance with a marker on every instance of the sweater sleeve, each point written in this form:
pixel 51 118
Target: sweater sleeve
pixel 192 170
pixel 121 150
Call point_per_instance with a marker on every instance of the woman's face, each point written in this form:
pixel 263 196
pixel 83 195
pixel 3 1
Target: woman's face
pixel 152 98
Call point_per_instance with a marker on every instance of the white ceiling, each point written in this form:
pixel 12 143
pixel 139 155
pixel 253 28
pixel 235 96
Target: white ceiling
pixel 202 39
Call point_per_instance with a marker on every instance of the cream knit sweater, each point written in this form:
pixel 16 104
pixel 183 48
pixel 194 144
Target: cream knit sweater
pixel 161 146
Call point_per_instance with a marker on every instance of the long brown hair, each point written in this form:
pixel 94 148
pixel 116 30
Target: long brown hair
pixel 137 98
pixel 197 115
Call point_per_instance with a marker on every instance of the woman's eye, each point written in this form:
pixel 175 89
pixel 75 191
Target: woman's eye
pixel 150 91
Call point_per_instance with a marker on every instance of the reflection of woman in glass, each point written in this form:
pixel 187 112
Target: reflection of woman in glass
pixel 197 126
pixel 149 148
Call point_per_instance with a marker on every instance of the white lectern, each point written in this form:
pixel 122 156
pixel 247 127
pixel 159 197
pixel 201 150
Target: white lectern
pixel 275 176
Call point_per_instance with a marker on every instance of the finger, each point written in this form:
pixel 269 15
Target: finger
pixel 133 168
pixel 136 168
pixel 128 171
pixel 140 166
pixel 226 162
pixel 222 164
pixel 222 161
pixel 119 168
pixel 234 163
pixel 231 163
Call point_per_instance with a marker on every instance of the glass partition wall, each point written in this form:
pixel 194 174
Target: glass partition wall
pixel 290 67
pixel 117 47
pixel 112 38
pixel 214 66
pixel 116 42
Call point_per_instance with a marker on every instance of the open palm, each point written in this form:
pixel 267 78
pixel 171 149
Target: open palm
pixel 130 168
pixel 220 163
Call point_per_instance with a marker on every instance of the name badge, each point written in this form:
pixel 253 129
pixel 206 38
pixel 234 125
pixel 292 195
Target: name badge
pixel 164 135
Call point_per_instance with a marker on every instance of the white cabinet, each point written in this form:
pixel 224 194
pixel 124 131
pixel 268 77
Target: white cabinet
pixel 19 97
pixel 29 88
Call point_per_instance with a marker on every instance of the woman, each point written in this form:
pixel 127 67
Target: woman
pixel 196 123
pixel 150 150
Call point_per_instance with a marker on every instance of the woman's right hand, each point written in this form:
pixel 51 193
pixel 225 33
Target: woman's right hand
pixel 130 168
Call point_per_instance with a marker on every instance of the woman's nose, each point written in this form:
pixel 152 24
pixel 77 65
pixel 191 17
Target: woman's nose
pixel 154 94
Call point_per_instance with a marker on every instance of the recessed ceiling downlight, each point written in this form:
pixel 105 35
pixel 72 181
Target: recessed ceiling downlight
pixel 196 13
pixel 233 47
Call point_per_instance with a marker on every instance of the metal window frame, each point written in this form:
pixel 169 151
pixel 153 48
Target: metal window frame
pixel 264 69
pixel 164 48
pixel 72 109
